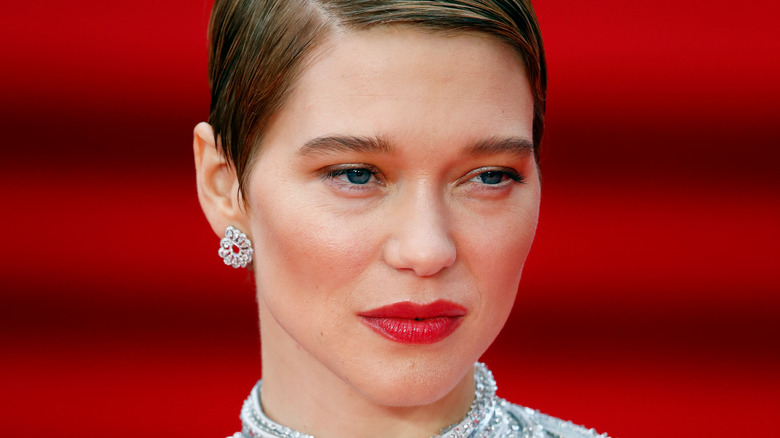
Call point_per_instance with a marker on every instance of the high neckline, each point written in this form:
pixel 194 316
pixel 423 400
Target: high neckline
pixel 257 425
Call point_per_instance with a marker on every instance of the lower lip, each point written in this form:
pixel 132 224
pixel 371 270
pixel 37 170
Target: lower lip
pixel 413 331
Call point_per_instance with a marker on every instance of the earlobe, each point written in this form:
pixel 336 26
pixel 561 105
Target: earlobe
pixel 217 182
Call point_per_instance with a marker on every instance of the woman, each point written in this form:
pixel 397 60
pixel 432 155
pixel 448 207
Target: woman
pixel 375 163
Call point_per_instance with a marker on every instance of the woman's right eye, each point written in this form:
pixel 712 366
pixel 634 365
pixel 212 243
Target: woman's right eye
pixel 353 176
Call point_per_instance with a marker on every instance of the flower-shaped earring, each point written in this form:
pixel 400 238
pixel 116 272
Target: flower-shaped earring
pixel 235 248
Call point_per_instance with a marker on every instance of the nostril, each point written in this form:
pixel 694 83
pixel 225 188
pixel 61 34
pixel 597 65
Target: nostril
pixel 417 255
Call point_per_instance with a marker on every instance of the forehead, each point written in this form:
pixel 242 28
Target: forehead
pixel 402 83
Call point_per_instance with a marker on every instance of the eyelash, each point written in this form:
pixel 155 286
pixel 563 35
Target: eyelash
pixel 332 174
pixel 512 174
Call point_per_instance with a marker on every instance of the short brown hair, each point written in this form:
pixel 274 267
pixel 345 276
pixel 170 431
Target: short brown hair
pixel 257 49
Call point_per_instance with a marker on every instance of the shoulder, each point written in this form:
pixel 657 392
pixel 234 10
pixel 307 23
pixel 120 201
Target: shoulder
pixel 544 426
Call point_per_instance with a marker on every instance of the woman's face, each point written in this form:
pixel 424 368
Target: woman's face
pixel 400 170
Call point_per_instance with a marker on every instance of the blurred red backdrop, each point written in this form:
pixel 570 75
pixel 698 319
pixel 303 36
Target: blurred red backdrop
pixel 649 306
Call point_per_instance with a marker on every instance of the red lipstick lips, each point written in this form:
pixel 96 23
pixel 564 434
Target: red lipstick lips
pixel 411 323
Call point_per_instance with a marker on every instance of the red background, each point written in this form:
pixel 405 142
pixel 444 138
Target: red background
pixel 650 301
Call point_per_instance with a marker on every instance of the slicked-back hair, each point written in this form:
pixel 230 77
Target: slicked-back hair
pixel 258 48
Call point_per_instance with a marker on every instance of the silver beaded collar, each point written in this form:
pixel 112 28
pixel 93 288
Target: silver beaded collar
pixel 476 422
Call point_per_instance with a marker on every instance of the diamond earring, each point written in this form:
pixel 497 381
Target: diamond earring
pixel 235 248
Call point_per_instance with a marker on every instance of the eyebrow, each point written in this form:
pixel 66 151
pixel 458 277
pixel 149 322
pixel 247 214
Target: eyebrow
pixel 499 145
pixel 346 143
pixel 378 145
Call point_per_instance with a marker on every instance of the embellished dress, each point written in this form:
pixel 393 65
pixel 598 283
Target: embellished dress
pixel 488 417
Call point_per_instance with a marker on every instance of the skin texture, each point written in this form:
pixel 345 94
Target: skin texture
pixel 425 227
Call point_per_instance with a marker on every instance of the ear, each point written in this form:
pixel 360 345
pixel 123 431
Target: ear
pixel 217 183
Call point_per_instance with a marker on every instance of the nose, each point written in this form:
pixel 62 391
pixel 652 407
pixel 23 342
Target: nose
pixel 420 239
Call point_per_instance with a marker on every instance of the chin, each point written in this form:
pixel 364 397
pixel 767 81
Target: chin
pixel 413 381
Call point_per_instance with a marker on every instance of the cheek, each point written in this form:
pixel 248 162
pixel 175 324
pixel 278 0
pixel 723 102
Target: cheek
pixel 495 253
pixel 306 253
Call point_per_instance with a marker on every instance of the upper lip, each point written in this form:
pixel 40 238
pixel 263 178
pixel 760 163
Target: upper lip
pixel 410 310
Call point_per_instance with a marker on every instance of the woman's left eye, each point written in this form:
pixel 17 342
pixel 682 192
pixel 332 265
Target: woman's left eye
pixel 496 177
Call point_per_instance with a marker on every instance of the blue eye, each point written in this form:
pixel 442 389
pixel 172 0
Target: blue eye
pixel 497 177
pixel 491 177
pixel 358 176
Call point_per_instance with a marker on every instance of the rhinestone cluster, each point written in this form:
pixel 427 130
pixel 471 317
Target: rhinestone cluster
pixel 235 248
pixel 481 408
pixel 257 425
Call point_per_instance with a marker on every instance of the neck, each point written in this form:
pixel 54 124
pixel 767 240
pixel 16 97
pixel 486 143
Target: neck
pixel 301 393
